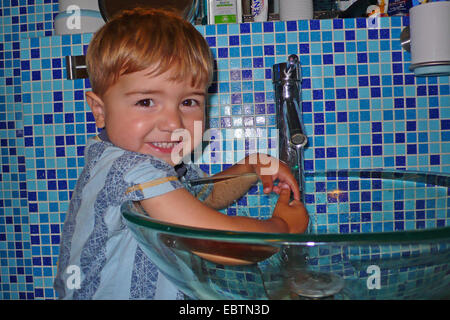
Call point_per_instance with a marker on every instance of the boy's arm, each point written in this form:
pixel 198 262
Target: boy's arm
pixel 180 207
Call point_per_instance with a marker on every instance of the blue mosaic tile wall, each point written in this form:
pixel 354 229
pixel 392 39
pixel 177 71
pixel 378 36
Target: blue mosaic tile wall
pixel 362 108
pixel 19 19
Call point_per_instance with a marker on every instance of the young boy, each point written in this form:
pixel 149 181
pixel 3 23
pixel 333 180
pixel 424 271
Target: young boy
pixel 149 71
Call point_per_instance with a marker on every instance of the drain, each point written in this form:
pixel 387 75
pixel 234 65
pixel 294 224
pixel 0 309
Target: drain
pixel 315 285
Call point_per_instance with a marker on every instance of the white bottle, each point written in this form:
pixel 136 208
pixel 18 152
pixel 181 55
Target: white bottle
pixel 296 10
pixel 260 9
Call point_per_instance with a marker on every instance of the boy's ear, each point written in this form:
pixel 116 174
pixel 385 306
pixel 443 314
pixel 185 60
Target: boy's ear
pixel 97 107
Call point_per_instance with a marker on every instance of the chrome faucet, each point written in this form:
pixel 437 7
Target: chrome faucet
pixel 287 78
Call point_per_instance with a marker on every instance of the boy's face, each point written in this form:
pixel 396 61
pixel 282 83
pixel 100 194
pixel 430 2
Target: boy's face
pixel 145 114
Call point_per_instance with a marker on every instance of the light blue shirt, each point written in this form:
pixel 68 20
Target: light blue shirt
pixel 99 258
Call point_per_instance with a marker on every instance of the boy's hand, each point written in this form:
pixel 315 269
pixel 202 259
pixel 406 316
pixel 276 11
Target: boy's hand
pixel 293 213
pixel 270 169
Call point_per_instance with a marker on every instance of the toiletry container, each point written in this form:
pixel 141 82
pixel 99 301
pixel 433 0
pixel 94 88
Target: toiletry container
pixel 224 11
pixel 296 10
pixel 430 39
pixel 260 10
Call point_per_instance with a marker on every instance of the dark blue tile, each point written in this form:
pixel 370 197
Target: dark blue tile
pixel 57 74
pixel 372 34
pixel 57 107
pixel 409 79
pixel 317 94
pixel 258 62
pixel 339 46
pixel 410 125
pixel 211 41
pixel 25 65
pixel 236 98
pixel 60 152
pixel 397 79
pixel 79 95
pixel 361 22
pixel 260 108
pixel 433 113
pixel 400 161
pixel 445 124
pixel 244 28
pixel 343 228
pixel 396 56
pixel 327 59
pixel 377 139
pixel 291 25
pixel 411 149
pixel 342 116
pixel 233 40
pixel 432 90
pixel 259 97
pixel 353 93
pixel 304 48
pixel 397 68
pixel 399 138
pixel 377 150
pixel 268 26
pixel 247 74
pixel 35 75
pixel 331 152
pixel 319 153
pixel 365 151
pixel 363 81
pixel 339 70
pixel 362 57
pixel 269 50
pixel 435 159
pixel 341 94
pixel 384 33
pixel 307 106
pixel 223 52
pixel 349 35
pixel 375 92
pixel 330 106
pixel 338 23
pixel 80 151
pixel 314 24
pixel 57 96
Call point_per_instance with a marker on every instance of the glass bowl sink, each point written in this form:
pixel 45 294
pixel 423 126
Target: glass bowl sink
pixel 372 235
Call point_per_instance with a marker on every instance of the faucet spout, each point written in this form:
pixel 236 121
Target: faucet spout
pixel 292 139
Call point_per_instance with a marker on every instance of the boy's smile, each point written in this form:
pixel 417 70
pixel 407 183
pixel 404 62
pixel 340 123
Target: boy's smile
pixel 141 113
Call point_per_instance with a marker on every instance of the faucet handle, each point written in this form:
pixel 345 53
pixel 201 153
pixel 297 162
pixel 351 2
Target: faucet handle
pixel 289 71
pixel 293 67
pixel 293 59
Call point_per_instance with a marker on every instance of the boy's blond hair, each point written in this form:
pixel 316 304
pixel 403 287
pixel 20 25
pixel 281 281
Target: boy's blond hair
pixel 142 38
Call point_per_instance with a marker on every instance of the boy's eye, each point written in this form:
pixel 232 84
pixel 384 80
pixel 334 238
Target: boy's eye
pixel 190 103
pixel 145 103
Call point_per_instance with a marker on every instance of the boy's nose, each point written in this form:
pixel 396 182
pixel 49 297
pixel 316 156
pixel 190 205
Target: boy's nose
pixel 170 120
